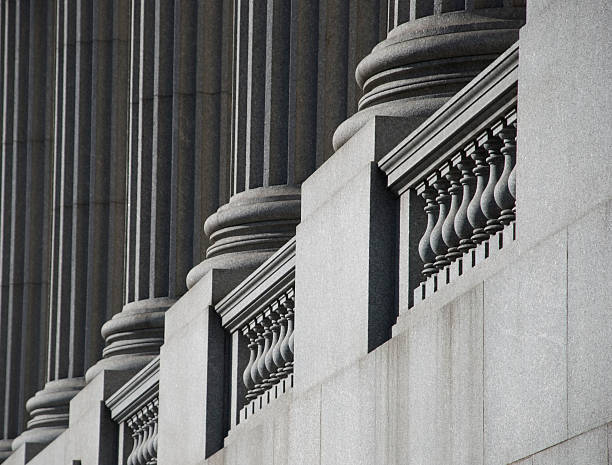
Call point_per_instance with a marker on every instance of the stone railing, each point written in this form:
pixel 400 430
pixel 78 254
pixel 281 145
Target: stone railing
pixel 259 315
pixel 134 407
pixel 456 178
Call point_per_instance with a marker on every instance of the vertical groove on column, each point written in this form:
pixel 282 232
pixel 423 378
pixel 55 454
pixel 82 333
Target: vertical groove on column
pixel 4 446
pixel 239 94
pixel 212 140
pixel 16 378
pixel 332 71
pixel 141 196
pixel 420 8
pixel 302 114
pixel 78 351
pixel 161 164
pixel 8 63
pixel 64 207
pixel 278 22
pixel 255 100
pixel 182 237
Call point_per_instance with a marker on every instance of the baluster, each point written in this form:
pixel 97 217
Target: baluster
pixel 476 217
pixel 503 196
pixel 135 441
pixel 144 433
pixel 462 224
pixel 151 415
pixel 291 302
pixel 246 375
pixel 488 204
pixel 449 234
pixel 431 209
pixel 259 340
pixel 273 316
pixel 512 179
pixel 443 200
pixel 155 430
pixel 279 361
pixel 286 349
pixel 261 362
pixel 145 453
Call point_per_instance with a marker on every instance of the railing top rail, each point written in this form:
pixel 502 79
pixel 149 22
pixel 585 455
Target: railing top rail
pixel 487 97
pixel 141 389
pixel 259 289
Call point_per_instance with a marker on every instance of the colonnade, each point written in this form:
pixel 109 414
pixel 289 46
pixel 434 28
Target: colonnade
pixel 147 142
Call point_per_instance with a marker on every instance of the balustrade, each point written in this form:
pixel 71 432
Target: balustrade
pixel 270 336
pixel 456 178
pixel 466 219
pixel 143 425
pixel 259 315
pixel 135 408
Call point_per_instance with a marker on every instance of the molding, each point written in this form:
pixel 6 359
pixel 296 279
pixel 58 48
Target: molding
pixel 488 96
pixel 135 394
pixel 259 289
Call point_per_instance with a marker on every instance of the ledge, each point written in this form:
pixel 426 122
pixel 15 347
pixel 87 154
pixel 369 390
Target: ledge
pixel 134 394
pixel 262 286
pixel 487 96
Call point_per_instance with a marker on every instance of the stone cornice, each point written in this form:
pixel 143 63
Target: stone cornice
pixel 487 96
pixel 262 286
pixel 134 394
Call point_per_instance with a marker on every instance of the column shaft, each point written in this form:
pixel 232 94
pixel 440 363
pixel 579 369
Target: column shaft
pixel 26 148
pixel 178 42
pixel 88 202
pixel 291 88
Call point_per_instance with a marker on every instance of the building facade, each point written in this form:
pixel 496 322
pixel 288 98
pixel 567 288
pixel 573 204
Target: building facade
pixel 250 232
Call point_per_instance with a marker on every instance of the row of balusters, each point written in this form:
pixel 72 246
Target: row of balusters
pixel 143 425
pixel 471 197
pixel 270 342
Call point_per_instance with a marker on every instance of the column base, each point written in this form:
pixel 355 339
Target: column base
pixel 49 411
pixel 249 229
pixel 424 62
pixel 133 337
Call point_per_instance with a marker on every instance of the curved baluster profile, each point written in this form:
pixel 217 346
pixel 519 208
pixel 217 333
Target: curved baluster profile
pixel 449 233
pixel 261 362
pixel 476 217
pixel 279 361
pixel 247 379
pixel 489 206
pixel 503 195
pixel 437 242
pixel 286 347
pixel 431 208
pixel 271 367
pixel 462 224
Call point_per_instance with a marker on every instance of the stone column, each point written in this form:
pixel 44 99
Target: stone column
pixel 433 49
pixel 173 170
pixel 88 205
pixel 291 63
pixel 27 34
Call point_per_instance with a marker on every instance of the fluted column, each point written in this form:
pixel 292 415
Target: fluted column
pixel 433 49
pixel 292 62
pixel 88 205
pixel 176 71
pixel 24 220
